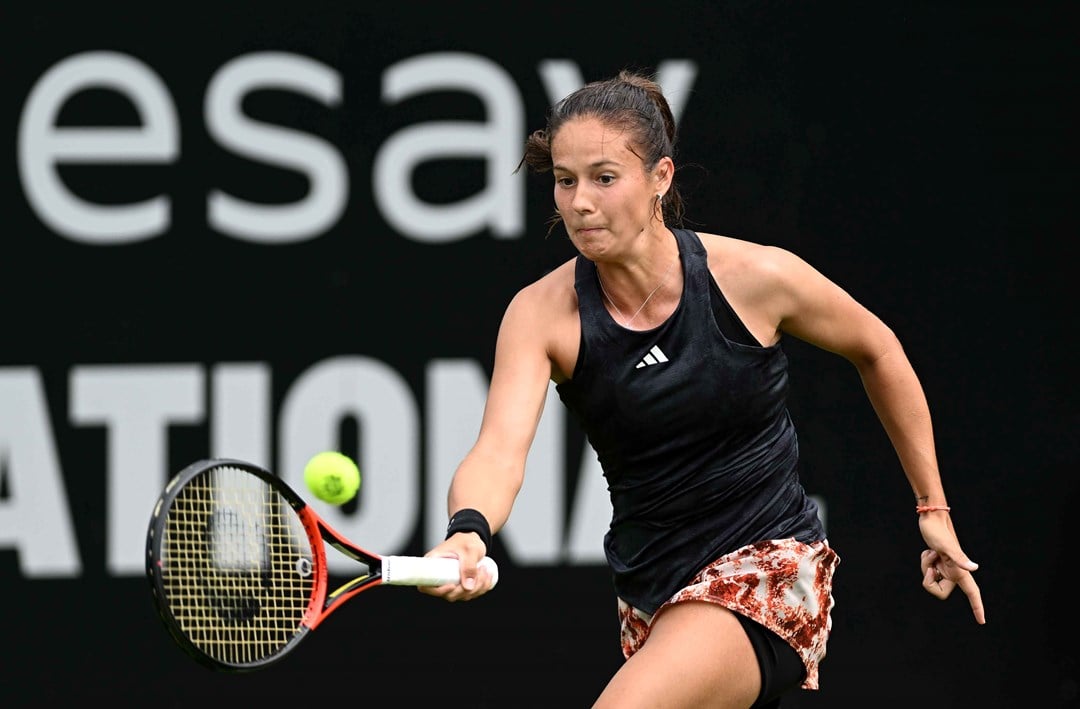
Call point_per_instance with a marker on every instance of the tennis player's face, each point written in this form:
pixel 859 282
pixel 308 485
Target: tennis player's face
pixel 602 192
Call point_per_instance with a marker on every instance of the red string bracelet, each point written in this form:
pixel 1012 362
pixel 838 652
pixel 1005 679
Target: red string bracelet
pixel 919 509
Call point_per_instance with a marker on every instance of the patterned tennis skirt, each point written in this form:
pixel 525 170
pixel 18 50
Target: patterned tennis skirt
pixel 783 584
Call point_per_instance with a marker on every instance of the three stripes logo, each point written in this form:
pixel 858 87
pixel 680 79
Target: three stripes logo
pixel 655 356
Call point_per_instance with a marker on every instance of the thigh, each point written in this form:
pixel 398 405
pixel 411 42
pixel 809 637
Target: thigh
pixel 697 655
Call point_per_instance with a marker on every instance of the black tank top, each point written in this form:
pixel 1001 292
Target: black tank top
pixel 692 431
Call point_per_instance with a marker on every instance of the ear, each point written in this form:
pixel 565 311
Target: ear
pixel 663 175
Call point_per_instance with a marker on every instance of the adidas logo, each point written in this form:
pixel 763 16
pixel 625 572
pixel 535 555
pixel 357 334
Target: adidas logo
pixel 655 356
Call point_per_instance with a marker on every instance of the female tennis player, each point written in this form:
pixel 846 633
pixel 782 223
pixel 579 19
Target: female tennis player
pixel 665 344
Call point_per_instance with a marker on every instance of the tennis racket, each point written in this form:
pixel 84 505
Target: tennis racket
pixel 238 568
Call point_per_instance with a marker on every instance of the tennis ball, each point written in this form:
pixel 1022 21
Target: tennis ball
pixel 332 477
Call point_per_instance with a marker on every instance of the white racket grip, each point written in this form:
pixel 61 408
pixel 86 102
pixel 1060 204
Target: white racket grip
pixel 429 570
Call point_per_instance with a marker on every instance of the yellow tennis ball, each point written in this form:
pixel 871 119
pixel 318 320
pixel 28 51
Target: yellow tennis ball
pixel 332 477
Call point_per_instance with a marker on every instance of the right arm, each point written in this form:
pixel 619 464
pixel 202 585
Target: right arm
pixel 491 473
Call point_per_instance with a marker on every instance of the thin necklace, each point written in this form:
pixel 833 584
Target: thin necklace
pixel 626 323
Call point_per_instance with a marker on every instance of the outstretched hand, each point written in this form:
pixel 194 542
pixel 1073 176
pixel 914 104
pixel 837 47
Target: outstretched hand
pixel 945 566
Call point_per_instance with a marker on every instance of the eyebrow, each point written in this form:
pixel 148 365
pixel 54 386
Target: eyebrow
pixel 591 166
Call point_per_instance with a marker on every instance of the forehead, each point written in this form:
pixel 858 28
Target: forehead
pixel 589 141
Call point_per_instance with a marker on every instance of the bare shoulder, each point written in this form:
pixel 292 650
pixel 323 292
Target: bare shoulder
pixel 764 284
pixel 743 263
pixel 548 295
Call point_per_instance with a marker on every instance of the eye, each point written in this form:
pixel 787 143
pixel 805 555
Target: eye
pixel 564 181
pixel 605 179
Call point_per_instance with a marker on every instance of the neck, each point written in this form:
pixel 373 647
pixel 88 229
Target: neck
pixel 628 321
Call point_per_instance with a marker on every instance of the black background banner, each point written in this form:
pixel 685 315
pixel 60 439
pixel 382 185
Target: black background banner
pixel 919 154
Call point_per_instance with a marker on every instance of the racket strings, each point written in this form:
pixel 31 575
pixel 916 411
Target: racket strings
pixel 237 566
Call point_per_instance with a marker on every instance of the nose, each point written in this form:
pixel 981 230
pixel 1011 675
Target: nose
pixel 582 200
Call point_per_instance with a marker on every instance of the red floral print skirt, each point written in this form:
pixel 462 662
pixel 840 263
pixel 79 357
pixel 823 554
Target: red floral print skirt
pixel 783 584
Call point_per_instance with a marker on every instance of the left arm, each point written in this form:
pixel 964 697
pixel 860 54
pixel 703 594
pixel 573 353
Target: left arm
pixel 807 305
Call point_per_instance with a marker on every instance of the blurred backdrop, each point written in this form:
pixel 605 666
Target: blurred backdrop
pixel 265 229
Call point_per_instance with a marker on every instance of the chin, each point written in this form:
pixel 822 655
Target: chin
pixel 591 249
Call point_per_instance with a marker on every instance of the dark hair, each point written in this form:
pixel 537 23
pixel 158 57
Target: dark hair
pixel 629 101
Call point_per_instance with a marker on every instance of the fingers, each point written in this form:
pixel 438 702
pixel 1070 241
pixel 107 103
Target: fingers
pixel 470 575
pixel 929 558
pixel 971 589
pixel 955 556
pixel 941 575
pixel 452 592
pixel 961 560
pixel 475 581
pixel 936 584
pixel 438 591
pixel 474 578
